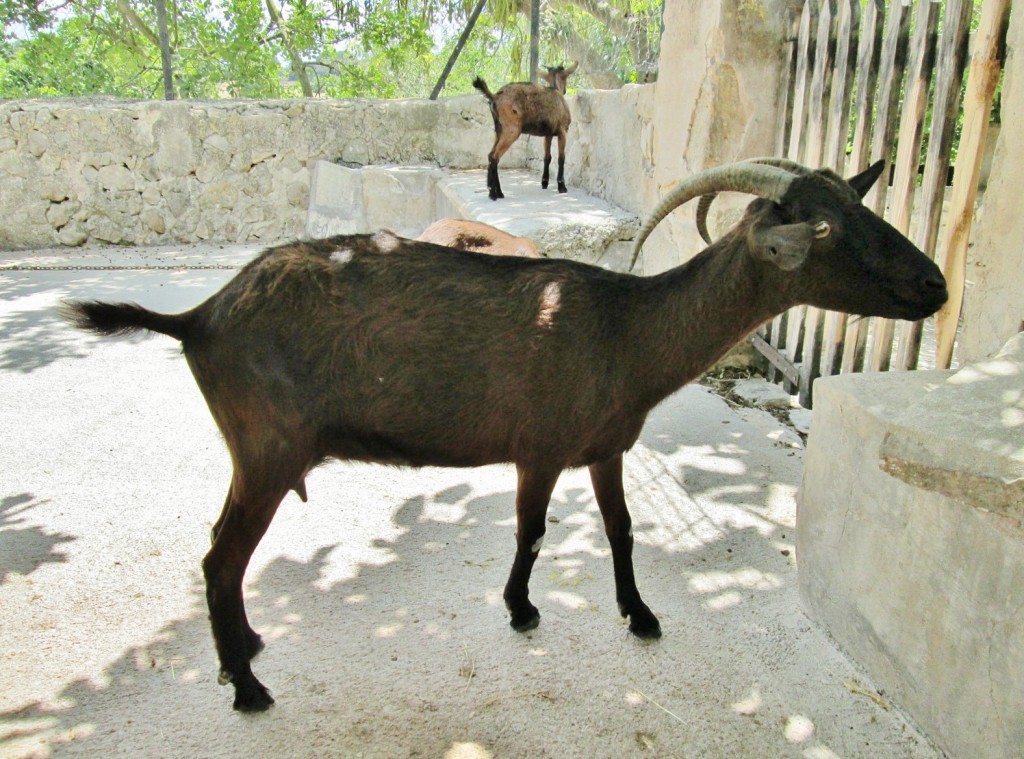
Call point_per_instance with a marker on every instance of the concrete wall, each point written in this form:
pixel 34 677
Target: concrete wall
pixel 910 542
pixel 717 90
pixel 994 305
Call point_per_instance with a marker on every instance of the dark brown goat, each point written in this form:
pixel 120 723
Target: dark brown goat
pixel 374 348
pixel 524 108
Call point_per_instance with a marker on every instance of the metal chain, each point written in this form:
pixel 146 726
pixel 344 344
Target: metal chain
pixel 139 267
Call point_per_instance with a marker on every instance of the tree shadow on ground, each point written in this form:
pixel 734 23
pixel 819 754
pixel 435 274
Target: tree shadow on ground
pixel 24 547
pixel 411 655
pixel 32 335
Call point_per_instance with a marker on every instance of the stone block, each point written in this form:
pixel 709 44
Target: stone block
pixel 399 198
pixel 335 201
pixel 920 576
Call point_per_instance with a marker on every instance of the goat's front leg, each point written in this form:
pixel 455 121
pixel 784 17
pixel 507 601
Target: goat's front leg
pixel 547 163
pixel 607 479
pixel 532 497
pixel 561 163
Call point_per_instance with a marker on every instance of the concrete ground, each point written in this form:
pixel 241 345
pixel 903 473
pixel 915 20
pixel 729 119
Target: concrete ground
pixel 380 599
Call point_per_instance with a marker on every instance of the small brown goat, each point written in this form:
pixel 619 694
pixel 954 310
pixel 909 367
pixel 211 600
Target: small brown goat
pixel 478 237
pixel 524 108
pixel 374 348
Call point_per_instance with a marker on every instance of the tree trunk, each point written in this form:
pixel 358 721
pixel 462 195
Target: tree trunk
pixel 458 49
pixel 165 49
pixel 298 65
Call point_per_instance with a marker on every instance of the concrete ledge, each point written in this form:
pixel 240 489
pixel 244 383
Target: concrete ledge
pixel 407 199
pixel 909 542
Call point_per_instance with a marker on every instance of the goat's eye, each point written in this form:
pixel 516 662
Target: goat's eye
pixel 822 229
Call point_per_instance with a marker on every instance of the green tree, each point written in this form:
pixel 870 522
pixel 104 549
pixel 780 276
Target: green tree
pixel 289 48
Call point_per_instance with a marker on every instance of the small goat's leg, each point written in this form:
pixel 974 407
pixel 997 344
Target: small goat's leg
pixel 607 479
pixel 547 163
pixel 532 497
pixel 561 163
pixel 239 530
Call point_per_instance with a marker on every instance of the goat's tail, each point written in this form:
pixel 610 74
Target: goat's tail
pixel 122 318
pixel 481 85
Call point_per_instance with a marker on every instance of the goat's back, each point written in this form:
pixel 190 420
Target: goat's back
pixel 542 111
pixel 392 350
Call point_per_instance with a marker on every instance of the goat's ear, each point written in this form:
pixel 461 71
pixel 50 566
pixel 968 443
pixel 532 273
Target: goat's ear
pixel 784 245
pixel 863 181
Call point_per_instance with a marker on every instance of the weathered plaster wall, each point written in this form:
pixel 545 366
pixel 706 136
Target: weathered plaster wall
pixel 79 172
pixel 994 304
pixel 717 90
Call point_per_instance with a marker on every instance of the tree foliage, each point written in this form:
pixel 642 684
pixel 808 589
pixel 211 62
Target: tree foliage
pixel 292 48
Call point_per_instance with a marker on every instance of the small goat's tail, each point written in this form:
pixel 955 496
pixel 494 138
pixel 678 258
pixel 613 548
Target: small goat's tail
pixel 481 85
pixel 123 318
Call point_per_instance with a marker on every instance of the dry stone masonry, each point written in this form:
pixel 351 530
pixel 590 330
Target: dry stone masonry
pixel 83 172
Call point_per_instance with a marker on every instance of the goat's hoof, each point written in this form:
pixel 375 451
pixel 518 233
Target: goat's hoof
pixel 525 621
pixel 563 188
pixel 543 185
pixel 252 697
pixel 645 626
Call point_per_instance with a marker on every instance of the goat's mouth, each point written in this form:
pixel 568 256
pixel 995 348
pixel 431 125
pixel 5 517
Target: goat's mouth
pixel 918 306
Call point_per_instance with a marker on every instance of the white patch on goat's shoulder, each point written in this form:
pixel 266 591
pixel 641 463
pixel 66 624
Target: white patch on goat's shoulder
pixel 386 240
pixel 341 256
pixel 537 546
pixel 550 303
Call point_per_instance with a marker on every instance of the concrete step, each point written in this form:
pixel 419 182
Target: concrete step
pixel 572 225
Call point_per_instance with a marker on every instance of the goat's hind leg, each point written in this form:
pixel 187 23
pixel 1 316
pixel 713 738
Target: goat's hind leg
pixel 502 142
pixel 532 497
pixel 561 162
pixel 607 479
pixel 254 642
pixel 253 501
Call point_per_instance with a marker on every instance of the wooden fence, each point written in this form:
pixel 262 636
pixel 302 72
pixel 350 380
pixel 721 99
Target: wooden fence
pixel 886 80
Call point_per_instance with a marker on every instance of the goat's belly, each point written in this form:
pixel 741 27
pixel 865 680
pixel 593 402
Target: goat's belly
pixel 382 448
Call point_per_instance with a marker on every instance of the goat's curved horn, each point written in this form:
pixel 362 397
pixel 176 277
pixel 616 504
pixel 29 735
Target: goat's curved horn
pixel 764 181
pixel 704 205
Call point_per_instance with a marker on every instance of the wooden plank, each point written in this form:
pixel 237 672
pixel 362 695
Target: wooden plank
pixel 777 340
pixel 869 54
pixel 908 151
pixel 805 47
pixel 821 86
pixel 837 131
pixel 892 64
pixel 981 84
pixel 890 76
pixel 848 29
pixel 778 360
pixel 956 26
pixel 787 84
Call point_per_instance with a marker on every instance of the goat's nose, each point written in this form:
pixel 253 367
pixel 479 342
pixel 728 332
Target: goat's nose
pixel 935 282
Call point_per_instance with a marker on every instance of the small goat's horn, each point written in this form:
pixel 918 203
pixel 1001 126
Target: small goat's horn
pixel 764 181
pixel 704 205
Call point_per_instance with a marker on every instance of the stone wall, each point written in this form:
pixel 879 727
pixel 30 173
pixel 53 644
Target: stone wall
pixel 79 172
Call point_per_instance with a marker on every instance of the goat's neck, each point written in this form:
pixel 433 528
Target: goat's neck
pixel 690 316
